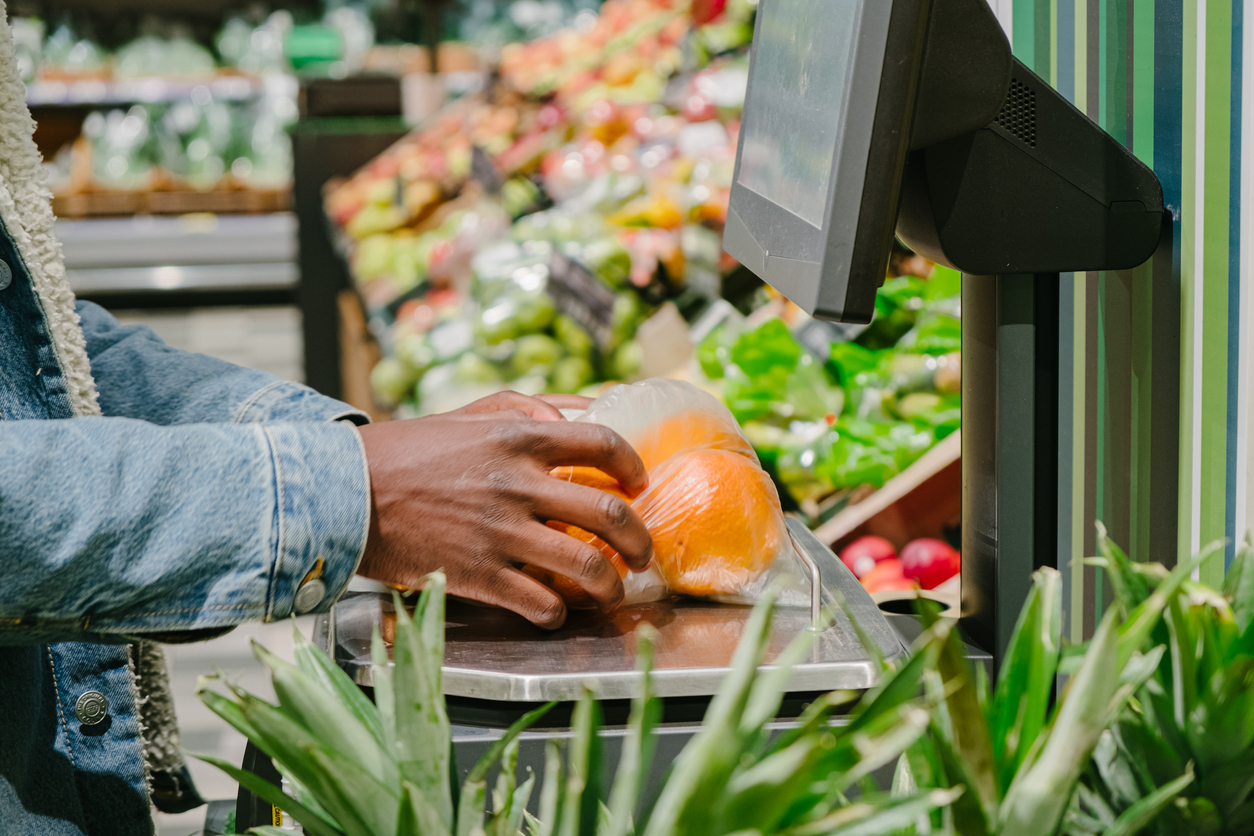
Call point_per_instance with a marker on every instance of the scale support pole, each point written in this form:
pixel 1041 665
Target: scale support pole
pixel 1010 332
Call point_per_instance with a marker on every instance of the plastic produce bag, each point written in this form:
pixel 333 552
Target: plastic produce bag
pixel 714 514
pixel 772 377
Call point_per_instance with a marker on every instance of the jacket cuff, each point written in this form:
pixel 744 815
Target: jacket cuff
pixel 323 514
pixel 283 400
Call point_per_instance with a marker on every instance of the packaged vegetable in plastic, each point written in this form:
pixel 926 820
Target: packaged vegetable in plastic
pixel 714 514
pixel 936 332
pixel 515 314
pixel 897 305
pixel 801 450
pixel 605 257
pixel 772 377
pixel 909 372
pixel 571 374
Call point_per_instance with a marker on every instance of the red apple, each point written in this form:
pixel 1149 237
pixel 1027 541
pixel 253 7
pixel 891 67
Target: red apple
pixel 863 554
pixel 887 577
pixel 930 562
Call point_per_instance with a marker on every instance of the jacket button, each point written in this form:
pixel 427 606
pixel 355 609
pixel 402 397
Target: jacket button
pixel 91 708
pixel 6 274
pixel 310 595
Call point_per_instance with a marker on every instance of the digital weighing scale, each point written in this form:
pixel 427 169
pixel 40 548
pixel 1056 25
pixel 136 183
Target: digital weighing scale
pixel 863 119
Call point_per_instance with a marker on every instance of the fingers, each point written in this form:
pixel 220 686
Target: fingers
pixel 526 596
pixel 536 408
pixel 599 512
pixel 582 563
pixel 566 401
pixel 592 445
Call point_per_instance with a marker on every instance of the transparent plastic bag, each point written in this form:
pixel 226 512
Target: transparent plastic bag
pixel 639 587
pixel 714 514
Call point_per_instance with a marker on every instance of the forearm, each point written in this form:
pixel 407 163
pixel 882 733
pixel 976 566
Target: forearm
pixel 112 528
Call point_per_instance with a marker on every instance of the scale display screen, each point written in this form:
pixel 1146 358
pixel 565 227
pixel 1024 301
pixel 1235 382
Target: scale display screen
pixel 800 78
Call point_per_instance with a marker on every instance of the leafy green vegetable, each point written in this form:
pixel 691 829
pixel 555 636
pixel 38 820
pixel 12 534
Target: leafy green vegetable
pixel 944 283
pixel 851 359
pixel 768 347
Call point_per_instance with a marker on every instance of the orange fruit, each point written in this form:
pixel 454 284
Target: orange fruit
pixel 571 592
pixel 690 430
pixel 716 522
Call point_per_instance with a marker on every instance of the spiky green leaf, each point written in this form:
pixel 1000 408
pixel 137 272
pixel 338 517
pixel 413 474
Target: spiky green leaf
pixel 314 824
pixel 583 772
pixel 1022 699
pixel 319 667
pixel 637 753
pixel 423 736
pixel 1134 819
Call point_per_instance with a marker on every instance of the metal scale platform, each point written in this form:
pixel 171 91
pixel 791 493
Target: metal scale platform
pixel 497 666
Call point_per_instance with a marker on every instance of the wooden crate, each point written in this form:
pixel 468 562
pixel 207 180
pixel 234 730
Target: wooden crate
pixel 227 202
pixel 170 202
pixel 98 204
pixel 358 355
pixel 921 501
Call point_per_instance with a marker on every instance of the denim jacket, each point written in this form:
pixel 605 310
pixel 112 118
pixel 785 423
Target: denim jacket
pixel 207 495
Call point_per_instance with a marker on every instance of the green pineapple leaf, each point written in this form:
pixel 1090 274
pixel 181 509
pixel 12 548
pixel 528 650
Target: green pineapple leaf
pixel 1131 588
pixel 470 807
pixel 703 768
pixel 552 793
pixel 319 667
pixel 1142 619
pixel 1021 701
pixel 1138 816
pixel 1040 793
pixel 968 725
pixel 310 703
pixel 879 818
pixel 361 804
pixel 384 689
pixel 314 824
pixel 522 796
pixel 495 752
pixel 423 737
pixel 583 772
pixel 637 752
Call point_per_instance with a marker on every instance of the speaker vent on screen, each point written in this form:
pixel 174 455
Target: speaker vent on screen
pixel 1018 114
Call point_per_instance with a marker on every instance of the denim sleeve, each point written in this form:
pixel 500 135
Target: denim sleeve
pixel 113 528
pixel 139 376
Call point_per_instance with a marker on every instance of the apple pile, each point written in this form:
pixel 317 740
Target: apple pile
pixel 626 56
pixel 924 563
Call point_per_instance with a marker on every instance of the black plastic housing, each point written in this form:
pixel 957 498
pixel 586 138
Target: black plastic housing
pixel 1040 189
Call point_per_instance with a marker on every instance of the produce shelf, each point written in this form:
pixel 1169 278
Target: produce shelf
pixel 177 202
pixel 201 277
pixel 155 241
pixel 92 92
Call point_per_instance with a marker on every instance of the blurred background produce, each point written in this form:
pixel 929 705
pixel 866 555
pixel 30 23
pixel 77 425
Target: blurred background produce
pixel 527 235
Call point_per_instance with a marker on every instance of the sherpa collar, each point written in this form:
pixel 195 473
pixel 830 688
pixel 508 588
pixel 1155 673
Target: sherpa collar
pixel 26 210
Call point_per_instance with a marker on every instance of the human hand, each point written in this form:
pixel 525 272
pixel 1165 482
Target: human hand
pixel 469 492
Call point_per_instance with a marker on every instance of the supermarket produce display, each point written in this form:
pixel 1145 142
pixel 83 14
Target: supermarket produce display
pixel 171 113
pixel 561 231
pixel 184 110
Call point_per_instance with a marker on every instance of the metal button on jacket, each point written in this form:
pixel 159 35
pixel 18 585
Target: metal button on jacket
pixel 91 708
pixel 6 274
pixel 310 595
